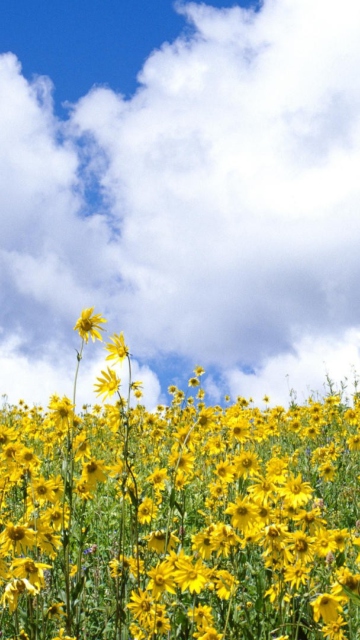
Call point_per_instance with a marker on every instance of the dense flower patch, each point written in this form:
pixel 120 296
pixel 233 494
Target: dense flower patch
pixel 193 521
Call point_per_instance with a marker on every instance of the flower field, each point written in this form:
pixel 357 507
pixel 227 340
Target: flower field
pixel 193 521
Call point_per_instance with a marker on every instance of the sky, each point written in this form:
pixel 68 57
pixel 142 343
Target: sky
pixel 191 170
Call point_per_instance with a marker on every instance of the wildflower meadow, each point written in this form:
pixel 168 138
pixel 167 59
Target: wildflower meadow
pixel 191 521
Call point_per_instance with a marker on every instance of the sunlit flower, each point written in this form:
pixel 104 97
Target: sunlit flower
pixel 243 513
pixel 161 580
pixel 141 607
pixel 327 607
pixel 334 629
pixel 108 384
pixel 190 576
pixel 14 590
pixel 89 325
pixel 147 511
pixel 17 538
pixel 117 351
pixel 31 570
pixel 296 492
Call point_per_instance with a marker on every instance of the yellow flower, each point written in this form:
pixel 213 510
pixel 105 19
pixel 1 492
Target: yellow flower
pixel 246 464
pixel 199 371
pixel 225 471
pixel 31 570
pixel 13 591
pixel 157 539
pixel 201 615
pixel 83 489
pixel 189 576
pixel 17 538
pixel 141 607
pixel 262 489
pixel 325 542
pixel 296 492
pixel 108 384
pixel 89 325
pixel 47 540
pixel 327 471
pixel 42 490
pixel 333 630
pixel 225 584
pixel 243 513
pixel 193 382
pixel 57 517
pixel 93 471
pixel 203 543
pixel 327 607
pixel 161 580
pixel 158 478
pixel 147 511
pixel 301 545
pixel 117 351
pixel 297 574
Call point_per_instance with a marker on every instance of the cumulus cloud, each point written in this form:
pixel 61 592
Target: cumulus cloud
pixel 314 368
pixel 214 214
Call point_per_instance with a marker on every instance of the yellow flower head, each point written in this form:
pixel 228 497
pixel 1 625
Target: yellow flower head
pixel 108 384
pixel 117 351
pixel 327 607
pixel 89 325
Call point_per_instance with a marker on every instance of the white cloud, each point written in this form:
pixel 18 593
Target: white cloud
pixel 303 373
pixel 36 379
pixel 227 230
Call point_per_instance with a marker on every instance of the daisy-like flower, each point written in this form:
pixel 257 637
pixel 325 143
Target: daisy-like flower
pixel 203 544
pixel 147 511
pixel 108 384
pixel 47 540
pixel 325 542
pixel 327 607
pixel 201 615
pixel 225 584
pixel 190 576
pixel 31 570
pixel 297 574
pixel 246 464
pixel 296 492
pixel 93 471
pixel 301 545
pixel 193 382
pixel 161 580
pixel 262 489
pixel 13 591
pixel 158 478
pixel 334 629
pixel 199 371
pixel 89 325
pixel 117 351
pixel 157 541
pixel 17 538
pixel 141 607
pixel 243 513
pixel 225 471
pixel 57 517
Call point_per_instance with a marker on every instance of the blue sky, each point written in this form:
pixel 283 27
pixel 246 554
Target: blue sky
pixel 79 43
pixel 193 174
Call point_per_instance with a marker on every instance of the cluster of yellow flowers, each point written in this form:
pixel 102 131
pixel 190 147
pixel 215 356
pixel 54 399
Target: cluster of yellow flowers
pixel 200 521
